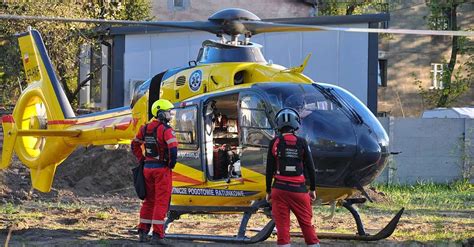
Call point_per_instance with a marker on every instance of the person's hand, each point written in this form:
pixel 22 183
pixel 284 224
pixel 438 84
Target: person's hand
pixel 312 195
pixel 268 197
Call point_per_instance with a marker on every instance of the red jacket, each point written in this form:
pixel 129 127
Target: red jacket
pixel 165 138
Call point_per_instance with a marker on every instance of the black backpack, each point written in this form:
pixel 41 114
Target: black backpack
pixel 290 158
pixel 139 180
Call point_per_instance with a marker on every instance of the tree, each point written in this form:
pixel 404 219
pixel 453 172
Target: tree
pixel 352 7
pixel 62 40
pixel 456 77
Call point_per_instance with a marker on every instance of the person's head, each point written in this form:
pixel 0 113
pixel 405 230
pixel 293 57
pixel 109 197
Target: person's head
pixel 161 110
pixel 287 120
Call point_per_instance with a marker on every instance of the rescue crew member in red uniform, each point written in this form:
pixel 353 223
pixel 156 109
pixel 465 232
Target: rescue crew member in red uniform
pixel 159 155
pixel 289 160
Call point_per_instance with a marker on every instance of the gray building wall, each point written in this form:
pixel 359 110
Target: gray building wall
pixel 164 10
pixel 437 150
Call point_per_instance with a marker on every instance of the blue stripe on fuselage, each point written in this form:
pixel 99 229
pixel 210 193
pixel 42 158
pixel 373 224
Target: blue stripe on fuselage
pixel 61 96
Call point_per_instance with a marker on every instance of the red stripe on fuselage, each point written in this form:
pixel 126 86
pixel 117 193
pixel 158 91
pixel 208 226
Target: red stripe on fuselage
pixel 123 126
pixel 181 178
pixel 248 180
pixel 52 122
pixel 8 119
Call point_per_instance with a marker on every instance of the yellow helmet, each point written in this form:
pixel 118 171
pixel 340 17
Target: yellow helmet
pixel 161 105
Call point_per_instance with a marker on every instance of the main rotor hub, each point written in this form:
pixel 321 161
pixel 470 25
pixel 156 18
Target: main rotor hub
pixel 231 20
pixel 233 14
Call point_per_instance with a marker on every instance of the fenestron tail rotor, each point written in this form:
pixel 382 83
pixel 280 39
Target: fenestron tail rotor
pixel 39 122
pixel 34 117
pixel 234 22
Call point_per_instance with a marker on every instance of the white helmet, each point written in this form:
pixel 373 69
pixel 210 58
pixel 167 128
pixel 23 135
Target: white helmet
pixel 288 117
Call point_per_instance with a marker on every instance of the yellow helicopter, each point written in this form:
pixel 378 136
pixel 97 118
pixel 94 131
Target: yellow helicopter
pixel 224 108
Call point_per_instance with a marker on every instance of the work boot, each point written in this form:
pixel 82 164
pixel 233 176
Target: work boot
pixel 157 240
pixel 142 236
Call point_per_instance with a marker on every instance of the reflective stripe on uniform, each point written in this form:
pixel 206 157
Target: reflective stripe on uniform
pixel 145 221
pixel 155 222
pixel 158 222
pixel 171 140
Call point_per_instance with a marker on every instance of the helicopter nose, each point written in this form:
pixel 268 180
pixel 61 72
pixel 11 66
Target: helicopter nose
pixel 369 151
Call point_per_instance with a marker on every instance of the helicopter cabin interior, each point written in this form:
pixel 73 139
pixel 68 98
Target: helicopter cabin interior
pixel 222 137
pixel 235 128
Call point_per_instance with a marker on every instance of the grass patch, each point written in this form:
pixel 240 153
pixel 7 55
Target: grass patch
pixel 9 208
pixel 458 195
pixel 63 206
pixel 31 215
pixel 102 215
pixel 436 234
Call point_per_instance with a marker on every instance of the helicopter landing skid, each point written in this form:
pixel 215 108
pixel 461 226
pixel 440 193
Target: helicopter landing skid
pixel 361 234
pixel 176 211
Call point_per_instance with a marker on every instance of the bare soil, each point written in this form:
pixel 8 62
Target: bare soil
pixel 92 203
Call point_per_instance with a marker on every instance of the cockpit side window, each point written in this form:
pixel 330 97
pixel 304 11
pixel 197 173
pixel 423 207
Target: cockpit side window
pixel 255 125
pixel 304 98
pixel 184 123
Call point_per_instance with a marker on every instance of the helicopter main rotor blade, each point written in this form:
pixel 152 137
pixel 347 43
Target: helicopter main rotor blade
pixel 195 25
pixel 256 27
pixel 235 27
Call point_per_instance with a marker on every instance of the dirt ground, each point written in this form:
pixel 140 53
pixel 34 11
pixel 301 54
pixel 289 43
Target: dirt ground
pixel 93 204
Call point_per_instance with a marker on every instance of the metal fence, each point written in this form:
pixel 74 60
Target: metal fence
pixel 439 150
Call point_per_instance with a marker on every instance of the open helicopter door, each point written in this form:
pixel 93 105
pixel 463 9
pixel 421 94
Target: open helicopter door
pixel 221 140
pixel 256 131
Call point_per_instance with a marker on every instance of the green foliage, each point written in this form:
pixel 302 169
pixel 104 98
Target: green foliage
pixel 62 40
pixel 353 7
pixel 119 10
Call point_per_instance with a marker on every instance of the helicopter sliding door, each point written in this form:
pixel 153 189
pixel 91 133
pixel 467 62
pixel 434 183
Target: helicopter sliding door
pixel 256 131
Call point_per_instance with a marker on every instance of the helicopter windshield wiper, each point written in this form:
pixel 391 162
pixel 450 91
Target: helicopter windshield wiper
pixel 349 107
pixel 332 95
pixel 328 94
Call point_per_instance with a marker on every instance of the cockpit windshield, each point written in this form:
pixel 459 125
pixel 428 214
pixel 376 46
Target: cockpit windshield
pixel 304 98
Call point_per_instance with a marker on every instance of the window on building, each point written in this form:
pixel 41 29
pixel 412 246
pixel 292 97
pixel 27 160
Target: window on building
pixel 94 70
pixel 382 73
pixel 439 22
pixel 437 75
pixel 178 3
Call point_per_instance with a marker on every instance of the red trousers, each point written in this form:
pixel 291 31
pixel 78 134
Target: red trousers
pixel 156 204
pixel 300 204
